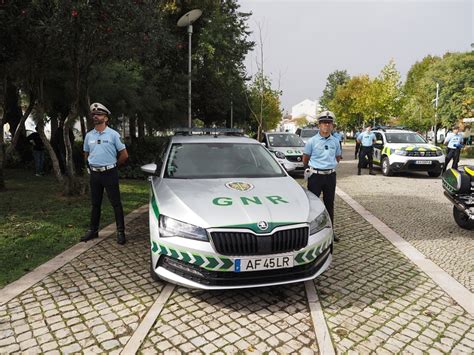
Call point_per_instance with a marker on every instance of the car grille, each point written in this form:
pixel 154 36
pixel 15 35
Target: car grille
pixel 422 154
pixel 294 159
pixel 242 243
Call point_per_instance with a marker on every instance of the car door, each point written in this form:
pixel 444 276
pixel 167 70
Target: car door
pixel 378 147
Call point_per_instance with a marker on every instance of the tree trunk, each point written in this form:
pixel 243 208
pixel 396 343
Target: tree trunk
pixel 49 147
pixel 141 127
pixel 132 128
pixel 2 152
pixel 21 126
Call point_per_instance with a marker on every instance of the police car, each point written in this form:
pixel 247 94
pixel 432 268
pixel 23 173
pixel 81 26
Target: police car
pixel 306 133
pixel 224 214
pixel 288 149
pixel 397 150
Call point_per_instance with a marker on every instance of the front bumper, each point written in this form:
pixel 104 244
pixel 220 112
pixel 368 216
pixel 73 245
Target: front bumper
pixel 401 163
pixel 291 166
pixel 195 264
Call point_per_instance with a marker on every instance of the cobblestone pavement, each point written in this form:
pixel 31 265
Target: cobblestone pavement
pixel 261 320
pixel 93 304
pixel 414 206
pixel 373 299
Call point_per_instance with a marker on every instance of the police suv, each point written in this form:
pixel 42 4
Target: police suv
pixel 287 147
pixel 398 149
pixel 224 214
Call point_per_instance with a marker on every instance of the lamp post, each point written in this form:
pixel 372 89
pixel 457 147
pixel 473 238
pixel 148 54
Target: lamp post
pixel 186 21
pixel 436 114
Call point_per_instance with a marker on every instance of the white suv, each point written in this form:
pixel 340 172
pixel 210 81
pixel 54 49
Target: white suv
pixel 398 150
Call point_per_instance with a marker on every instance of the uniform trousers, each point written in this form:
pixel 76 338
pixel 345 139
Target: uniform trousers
pixel 357 149
pixel 109 181
pixel 367 152
pixel 453 153
pixel 326 184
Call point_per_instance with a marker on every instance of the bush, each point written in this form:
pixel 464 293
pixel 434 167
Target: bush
pixel 141 152
pixel 467 152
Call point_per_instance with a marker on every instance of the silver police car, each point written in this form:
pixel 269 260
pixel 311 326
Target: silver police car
pixel 224 214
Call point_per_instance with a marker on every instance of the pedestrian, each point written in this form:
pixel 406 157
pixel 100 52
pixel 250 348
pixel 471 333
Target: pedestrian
pixel 101 147
pixel 454 141
pixel 321 155
pixel 467 135
pixel 366 140
pixel 38 152
pixel 338 135
pixel 357 149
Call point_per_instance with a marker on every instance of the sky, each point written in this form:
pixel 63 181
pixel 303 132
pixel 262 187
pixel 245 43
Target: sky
pixel 306 40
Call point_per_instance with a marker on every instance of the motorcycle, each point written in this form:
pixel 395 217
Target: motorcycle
pixel 458 187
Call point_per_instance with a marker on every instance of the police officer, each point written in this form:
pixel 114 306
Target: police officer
pixel 322 153
pixel 101 147
pixel 366 140
pixel 454 141
pixel 357 148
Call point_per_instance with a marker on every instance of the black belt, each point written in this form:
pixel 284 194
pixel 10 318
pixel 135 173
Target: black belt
pixel 101 169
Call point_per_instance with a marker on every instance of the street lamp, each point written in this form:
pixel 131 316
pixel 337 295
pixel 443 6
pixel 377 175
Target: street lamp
pixel 187 20
pixel 436 114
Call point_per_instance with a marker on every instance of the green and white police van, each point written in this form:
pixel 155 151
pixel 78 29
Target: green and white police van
pixel 288 149
pixel 397 150
pixel 224 214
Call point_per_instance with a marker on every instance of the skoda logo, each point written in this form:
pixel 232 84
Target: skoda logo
pixel 262 225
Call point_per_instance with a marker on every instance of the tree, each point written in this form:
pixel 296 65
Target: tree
pixel 264 103
pixel 334 80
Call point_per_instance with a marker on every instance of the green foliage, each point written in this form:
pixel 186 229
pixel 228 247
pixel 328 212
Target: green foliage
pixel 37 223
pixel 334 80
pixel 264 104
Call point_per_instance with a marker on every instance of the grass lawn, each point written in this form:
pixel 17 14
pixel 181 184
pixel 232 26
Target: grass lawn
pixel 37 222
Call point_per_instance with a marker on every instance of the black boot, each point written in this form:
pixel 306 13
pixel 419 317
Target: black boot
pixel 91 234
pixel 358 171
pixel 121 237
pixel 371 172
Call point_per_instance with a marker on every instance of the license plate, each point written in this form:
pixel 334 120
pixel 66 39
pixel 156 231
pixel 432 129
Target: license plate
pixel 270 263
pixel 423 162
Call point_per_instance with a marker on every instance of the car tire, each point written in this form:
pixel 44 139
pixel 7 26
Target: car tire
pixel 153 274
pixel 462 219
pixel 386 170
pixel 434 173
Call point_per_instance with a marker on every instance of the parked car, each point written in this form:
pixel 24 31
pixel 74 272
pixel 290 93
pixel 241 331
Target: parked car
pixel 224 214
pixel 306 133
pixel 288 149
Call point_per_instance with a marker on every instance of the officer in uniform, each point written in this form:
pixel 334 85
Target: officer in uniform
pixel 366 140
pixel 454 141
pixel 322 153
pixel 357 148
pixel 102 145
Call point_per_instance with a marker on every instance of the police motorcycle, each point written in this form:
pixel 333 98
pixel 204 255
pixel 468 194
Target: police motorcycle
pixel 458 187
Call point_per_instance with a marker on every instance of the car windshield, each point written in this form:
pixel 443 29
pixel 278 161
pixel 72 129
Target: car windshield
pixel 220 160
pixel 284 140
pixel 405 137
pixel 307 133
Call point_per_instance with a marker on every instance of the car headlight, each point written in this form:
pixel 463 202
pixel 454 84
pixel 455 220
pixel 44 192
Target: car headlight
pixel 170 227
pixel 279 154
pixel 319 223
pixel 400 152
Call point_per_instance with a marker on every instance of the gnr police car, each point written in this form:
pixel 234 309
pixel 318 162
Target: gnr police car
pixel 287 147
pixel 224 214
pixel 397 150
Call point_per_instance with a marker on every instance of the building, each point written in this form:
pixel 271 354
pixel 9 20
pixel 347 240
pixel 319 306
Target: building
pixel 306 108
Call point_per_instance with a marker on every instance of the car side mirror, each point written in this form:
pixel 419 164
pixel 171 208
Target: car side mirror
pixel 379 142
pixel 264 144
pixel 151 169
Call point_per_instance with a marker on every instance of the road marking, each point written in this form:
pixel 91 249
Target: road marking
pixel 25 282
pixel 153 313
pixel 323 338
pixel 450 285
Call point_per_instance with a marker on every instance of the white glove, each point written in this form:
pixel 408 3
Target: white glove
pixel 307 174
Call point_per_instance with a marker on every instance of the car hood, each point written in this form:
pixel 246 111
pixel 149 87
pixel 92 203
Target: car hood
pixel 290 151
pixel 239 202
pixel 414 147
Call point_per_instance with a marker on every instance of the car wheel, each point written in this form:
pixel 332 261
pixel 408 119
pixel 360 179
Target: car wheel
pixel 462 219
pixel 153 274
pixel 386 170
pixel 434 173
